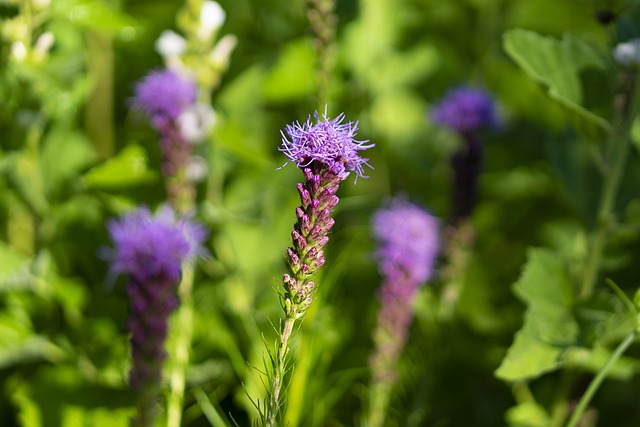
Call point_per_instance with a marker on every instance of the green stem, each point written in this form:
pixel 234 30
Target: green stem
pixel 605 215
pixel 279 369
pixel 602 374
pixel 183 328
pixel 628 107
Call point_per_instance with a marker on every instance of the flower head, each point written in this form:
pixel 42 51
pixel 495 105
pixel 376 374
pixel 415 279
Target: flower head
pixel 148 246
pixel 628 53
pixel 329 142
pixel 164 94
pixel 407 241
pixel 465 110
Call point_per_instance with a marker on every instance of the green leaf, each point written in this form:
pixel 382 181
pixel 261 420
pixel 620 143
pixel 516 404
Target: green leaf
pixel 528 414
pixel 557 65
pixel 24 170
pixel 127 169
pixel 64 154
pixel 549 327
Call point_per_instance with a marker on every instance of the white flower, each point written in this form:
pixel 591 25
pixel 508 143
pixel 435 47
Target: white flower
pixel 628 53
pixel 212 17
pixel 221 52
pixel 196 122
pixel 197 169
pixel 170 44
pixel 44 44
pixel 19 51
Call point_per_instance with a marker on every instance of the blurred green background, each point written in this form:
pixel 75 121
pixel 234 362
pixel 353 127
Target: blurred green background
pixel 72 156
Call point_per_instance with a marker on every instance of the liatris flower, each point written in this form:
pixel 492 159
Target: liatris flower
pixel 151 250
pixel 327 153
pixel 163 95
pixel 169 100
pixel 407 246
pixel 466 111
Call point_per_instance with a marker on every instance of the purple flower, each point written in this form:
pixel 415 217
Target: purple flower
pixel 150 250
pixel 407 246
pixel 164 95
pixel 407 241
pixel 148 246
pixel 465 110
pixel 328 142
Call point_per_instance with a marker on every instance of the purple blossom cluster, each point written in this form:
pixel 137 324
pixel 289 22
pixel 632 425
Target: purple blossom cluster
pixel 169 101
pixel 328 142
pixel 150 250
pixel 466 110
pixel 163 95
pixel 407 246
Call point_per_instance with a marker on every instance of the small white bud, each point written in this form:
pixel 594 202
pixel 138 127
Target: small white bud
pixel 196 122
pixel 44 44
pixel 170 44
pixel 628 53
pixel 19 51
pixel 197 169
pixel 221 52
pixel 212 17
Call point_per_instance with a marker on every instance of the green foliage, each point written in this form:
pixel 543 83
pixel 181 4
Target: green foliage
pixel 503 335
pixel 558 65
pixel 549 328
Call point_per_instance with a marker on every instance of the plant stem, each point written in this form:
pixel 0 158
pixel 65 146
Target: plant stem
pixel 627 106
pixel 602 374
pixel 605 215
pixel 183 327
pixel 279 369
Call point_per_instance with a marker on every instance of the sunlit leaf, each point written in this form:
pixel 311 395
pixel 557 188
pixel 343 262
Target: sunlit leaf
pixel 127 169
pixel 549 327
pixel 557 65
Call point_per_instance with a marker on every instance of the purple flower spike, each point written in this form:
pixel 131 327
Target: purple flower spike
pixel 164 95
pixel 407 246
pixel 326 152
pixel 150 250
pixel 466 110
pixel 328 142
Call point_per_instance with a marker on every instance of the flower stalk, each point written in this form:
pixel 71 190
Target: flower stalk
pixel 327 153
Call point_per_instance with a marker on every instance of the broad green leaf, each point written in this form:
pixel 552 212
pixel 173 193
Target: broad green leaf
pixel 557 65
pixel 528 414
pixel 64 154
pixel 128 168
pixel 549 327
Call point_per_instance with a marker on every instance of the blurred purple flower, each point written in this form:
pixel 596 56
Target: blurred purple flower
pixel 151 250
pixel 164 95
pixel 466 110
pixel 407 241
pixel 148 247
pixel 328 141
